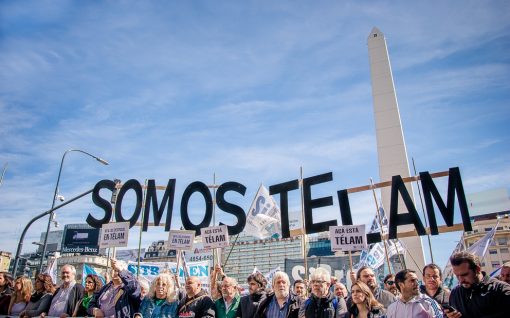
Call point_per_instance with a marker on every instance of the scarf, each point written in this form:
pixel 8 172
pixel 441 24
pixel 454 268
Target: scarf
pixel 86 301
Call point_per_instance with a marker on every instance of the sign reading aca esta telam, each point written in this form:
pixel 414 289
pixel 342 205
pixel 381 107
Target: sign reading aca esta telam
pixel 398 189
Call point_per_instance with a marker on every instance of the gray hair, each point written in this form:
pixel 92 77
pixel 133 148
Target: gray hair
pixel 281 275
pixel 321 273
pixel 71 267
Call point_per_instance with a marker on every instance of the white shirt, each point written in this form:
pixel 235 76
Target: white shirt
pixel 421 306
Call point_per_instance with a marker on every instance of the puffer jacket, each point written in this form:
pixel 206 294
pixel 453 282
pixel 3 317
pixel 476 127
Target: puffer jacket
pixel 329 306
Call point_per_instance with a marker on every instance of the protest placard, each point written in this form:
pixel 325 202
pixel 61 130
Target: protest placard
pixel 181 240
pixel 114 235
pixel 348 237
pixel 215 237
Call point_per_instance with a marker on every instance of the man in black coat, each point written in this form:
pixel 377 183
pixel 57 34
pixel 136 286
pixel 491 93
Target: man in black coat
pixel 322 302
pixel 281 302
pixel 249 303
pixel 197 302
pixel 477 295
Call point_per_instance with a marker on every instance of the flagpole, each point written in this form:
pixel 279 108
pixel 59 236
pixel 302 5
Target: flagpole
pixel 380 225
pixel 231 248
pixel 215 251
pixel 113 201
pixel 410 254
pixel 350 260
pixel 424 215
pixel 144 202
pixel 303 230
pixel 178 254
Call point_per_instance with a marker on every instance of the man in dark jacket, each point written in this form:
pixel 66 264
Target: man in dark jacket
pixel 67 295
pixel 477 295
pixel 280 303
pixel 197 302
pixel 433 286
pixel 120 298
pixel 322 303
pixel 249 303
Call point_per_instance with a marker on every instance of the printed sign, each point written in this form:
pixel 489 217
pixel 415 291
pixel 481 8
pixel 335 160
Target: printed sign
pixel 337 266
pixel 114 235
pixel 214 237
pixel 151 270
pixel 181 240
pixel 348 237
pixel 198 254
pixel 80 238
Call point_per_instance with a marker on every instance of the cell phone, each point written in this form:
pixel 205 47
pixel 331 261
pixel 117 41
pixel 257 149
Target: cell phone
pixel 448 308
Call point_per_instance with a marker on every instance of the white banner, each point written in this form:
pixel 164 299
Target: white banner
pixel 150 270
pixel 114 235
pixel 269 276
pixel 198 254
pixel 263 219
pixel 181 239
pixel 215 236
pixel 348 237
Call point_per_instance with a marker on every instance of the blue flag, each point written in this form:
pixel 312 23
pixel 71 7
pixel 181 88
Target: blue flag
pixel 89 270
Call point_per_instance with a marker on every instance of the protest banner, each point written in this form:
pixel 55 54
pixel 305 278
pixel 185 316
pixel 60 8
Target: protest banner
pixel 150 270
pixel 181 239
pixel 348 237
pixel 215 237
pixel 263 219
pixel 337 266
pixel 114 235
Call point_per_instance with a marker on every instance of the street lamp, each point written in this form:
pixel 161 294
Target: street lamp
pixel 55 195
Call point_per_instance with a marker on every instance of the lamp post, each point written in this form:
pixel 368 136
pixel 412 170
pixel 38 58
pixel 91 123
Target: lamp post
pixel 55 196
pixel 20 244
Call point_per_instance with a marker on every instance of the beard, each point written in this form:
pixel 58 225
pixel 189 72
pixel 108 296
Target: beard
pixel 281 293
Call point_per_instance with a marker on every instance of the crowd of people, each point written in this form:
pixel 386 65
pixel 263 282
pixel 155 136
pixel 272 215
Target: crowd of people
pixel 322 296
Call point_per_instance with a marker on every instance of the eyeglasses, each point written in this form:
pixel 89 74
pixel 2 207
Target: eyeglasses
pixel 390 282
pixel 318 281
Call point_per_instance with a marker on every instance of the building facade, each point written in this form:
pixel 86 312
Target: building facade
pixel 5 261
pixel 243 255
pixel 499 249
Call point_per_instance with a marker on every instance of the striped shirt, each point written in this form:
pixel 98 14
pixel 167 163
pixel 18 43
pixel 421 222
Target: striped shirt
pixel 421 306
pixel 275 311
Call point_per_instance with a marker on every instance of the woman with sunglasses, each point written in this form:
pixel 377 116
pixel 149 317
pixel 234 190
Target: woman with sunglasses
pixel 364 304
pixel 40 300
pixel 92 284
pixel 21 295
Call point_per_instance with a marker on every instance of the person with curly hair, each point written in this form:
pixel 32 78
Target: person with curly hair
pixel 162 299
pixel 120 298
pixel 21 295
pixel 6 290
pixel 40 300
pixel 93 284
pixel 364 304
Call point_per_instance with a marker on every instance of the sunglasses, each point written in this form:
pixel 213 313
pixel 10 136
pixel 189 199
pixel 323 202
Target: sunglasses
pixel 390 282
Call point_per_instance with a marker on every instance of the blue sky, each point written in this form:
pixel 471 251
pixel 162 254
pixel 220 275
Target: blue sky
pixel 249 91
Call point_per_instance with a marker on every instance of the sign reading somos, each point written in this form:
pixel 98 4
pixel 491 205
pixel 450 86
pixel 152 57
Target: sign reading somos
pixel 398 189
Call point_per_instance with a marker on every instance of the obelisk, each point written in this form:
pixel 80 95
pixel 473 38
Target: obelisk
pixel 391 147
